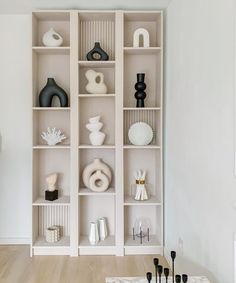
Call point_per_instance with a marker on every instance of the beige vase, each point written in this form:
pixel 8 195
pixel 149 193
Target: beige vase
pixel 95 83
pixel 96 165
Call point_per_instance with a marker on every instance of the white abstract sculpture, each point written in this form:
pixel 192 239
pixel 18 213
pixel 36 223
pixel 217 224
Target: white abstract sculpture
pixel 141 193
pixel 53 136
pixel 97 176
pixel 95 83
pixel 51 182
pixel 136 37
pixel 52 38
pixel 94 126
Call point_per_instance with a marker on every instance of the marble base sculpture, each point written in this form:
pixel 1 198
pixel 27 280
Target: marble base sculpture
pixel 51 193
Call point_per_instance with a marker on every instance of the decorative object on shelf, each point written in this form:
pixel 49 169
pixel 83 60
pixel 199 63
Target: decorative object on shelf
pixel 159 270
pixel 149 277
pixel 93 168
pixel 95 83
pixel 98 182
pixel 97 53
pixel 53 136
pixel 140 133
pixel 102 228
pixel 140 187
pixel 140 86
pixel 139 34
pixel 52 39
pixel 49 91
pixel 141 229
pixel 166 273
pixel 156 262
pixel 96 136
pixel 53 234
pixel 51 193
pixel 93 234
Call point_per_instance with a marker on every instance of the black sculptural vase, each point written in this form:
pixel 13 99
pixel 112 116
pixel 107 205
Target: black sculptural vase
pixel 97 54
pixel 140 86
pixel 50 90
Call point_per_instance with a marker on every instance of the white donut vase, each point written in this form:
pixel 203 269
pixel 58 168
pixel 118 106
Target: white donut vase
pixel 98 182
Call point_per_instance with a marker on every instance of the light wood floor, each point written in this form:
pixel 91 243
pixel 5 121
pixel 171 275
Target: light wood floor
pixel 16 266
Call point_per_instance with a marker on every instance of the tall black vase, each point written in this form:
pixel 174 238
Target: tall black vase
pixel 97 50
pixel 50 90
pixel 140 86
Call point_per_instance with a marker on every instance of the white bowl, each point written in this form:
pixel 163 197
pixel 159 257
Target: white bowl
pixel 140 133
pixel 94 127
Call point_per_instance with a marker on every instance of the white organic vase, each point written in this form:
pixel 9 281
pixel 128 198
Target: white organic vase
pixel 52 38
pixel 96 83
pixel 136 37
pixel 96 165
pixel 102 228
pixel 93 234
pixel 98 182
pixel 96 137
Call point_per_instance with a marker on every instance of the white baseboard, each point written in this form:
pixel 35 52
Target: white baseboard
pixel 14 241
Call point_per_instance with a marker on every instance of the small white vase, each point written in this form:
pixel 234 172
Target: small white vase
pixel 94 127
pixel 102 228
pixel 96 83
pixel 97 138
pixel 93 234
pixel 52 38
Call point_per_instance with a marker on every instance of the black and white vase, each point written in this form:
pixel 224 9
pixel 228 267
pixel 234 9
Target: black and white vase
pixel 140 86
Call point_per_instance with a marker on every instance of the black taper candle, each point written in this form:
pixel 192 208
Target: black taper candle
pixel 185 278
pixel 159 269
pixel 149 276
pixel 156 262
pixel 178 279
pixel 166 272
pixel 173 256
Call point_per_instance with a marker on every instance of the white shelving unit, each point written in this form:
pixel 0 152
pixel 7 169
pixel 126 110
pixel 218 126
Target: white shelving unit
pixel 77 206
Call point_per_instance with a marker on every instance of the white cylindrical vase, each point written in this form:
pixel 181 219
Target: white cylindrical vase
pixel 103 228
pixel 93 234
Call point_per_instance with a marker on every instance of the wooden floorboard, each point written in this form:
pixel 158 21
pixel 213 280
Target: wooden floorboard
pixel 16 266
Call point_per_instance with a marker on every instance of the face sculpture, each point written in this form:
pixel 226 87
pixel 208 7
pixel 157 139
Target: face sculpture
pixel 51 182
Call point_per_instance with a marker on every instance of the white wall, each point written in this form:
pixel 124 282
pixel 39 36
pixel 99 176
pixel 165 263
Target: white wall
pixel 199 181
pixel 15 127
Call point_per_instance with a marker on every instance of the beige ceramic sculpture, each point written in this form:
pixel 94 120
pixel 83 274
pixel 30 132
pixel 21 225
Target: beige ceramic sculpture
pixel 51 182
pixel 95 83
pixel 97 176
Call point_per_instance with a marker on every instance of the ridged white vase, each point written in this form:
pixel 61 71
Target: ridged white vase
pixel 103 228
pixel 93 234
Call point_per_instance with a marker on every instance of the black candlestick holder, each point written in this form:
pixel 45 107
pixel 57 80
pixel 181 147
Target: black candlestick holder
pixel 173 256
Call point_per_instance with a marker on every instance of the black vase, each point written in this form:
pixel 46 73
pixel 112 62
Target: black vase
pixel 140 86
pixel 49 91
pixel 97 50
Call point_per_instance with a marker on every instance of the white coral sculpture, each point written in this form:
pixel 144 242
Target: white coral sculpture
pixel 53 136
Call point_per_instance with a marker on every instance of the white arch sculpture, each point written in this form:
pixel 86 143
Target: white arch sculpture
pixel 141 32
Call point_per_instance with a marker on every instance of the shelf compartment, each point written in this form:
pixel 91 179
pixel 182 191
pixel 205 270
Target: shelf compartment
pixel 142 159
pixel 151 117
pixel 151 201
pixel 50 66
pixel 49 161
pixel 63 200
pixel 41 242
pixel 64 50
pixel 88 192
pixel 41 247
pixel 141 50
pixel 142 108
pixel 44 20
pixel 51 147
pixel 97 27
pixel 52 119
pixel 108 242
pixel 141 147
pixel 93 208
pixel 151 21
pixel 151 66
pixel 91 107
pixel 87 156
